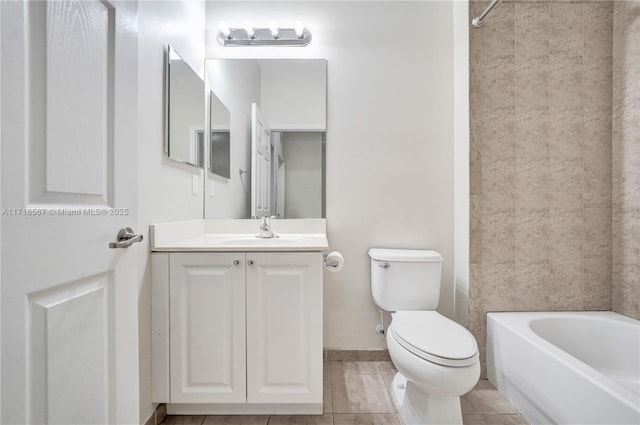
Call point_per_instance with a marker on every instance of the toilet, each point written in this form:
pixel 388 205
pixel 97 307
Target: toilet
pixel 437 359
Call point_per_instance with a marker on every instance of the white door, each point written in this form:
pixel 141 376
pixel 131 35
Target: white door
pixel 69 308
pixel 284 327
pixel 207 328
pixel 260 164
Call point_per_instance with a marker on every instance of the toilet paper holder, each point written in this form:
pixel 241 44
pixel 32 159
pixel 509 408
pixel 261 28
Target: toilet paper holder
pixel 333 261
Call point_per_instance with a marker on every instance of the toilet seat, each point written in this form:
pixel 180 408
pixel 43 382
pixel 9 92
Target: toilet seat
pixel 435 338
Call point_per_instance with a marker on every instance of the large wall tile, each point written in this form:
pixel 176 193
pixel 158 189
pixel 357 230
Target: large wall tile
pixel 498 175
pixel 532 81
pixel 475 207
pixel 626 128
pixel 567 297
pixel 497 292
pixel 626 235
pixel 498 32
pixel 532 235
pixel 532 283
pixel 566 182
pixel 558 135
pixel 597 237
pixel 626 181
pixel 566 132
pixel 566 238
pixel 475 178
pixel 566 28
pixel 597 82
pixel 498 235
pixel 498 128
pixel 597 172
pixel 532 183
pixel 626 289
pixel 532 132
pixel 566 78
pixel 532 28
pixel 596 290
pixel 565 284
pixel 598 29
pixel 498 81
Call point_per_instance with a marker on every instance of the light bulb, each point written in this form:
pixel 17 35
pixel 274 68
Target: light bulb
pixel 224 29
pixel 299 28
pixel 273 27
pixel 251 32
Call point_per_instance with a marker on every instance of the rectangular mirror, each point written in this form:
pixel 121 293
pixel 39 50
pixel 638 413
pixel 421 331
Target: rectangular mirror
pixel 277 140
pixel 185 106
pixel 220 137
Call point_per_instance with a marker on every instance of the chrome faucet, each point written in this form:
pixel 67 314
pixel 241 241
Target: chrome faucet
pixel 265 228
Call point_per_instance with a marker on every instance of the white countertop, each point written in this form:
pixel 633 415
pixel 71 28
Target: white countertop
pixel 239 235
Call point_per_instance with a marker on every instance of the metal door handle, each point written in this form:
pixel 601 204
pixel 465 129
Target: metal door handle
pixel 250 262
pixel 125 238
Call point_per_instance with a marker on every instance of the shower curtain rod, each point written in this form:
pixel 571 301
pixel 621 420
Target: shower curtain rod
pixel 477 21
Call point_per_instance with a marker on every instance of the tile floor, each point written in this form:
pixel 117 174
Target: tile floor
pixel 358 393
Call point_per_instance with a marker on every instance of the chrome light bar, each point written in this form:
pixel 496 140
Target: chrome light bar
pixel 272 36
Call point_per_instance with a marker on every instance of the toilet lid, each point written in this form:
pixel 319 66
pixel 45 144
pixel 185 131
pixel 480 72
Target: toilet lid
pixel 433 337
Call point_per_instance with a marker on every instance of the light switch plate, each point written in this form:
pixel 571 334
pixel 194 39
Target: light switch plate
pixel 195 182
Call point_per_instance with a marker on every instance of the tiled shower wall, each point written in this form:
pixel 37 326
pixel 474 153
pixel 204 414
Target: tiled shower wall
pixel 540 99
pixel 626 158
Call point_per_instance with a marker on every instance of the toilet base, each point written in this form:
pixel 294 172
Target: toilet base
pixel 418 408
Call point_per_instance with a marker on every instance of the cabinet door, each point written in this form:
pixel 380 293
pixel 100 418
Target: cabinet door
pixel 284 328
pixel 207 328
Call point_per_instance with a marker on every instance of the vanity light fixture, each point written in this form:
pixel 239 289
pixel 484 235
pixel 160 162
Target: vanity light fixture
pixel 251 32
pixel 273 35
pixel 274 29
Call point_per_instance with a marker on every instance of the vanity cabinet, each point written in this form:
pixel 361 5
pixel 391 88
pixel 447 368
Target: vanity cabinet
pixel 284 327
pixel 243 328
pixel 207 328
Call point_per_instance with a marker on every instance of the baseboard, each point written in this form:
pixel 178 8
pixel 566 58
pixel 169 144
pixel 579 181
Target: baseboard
pixel 357 356
pixel 245 409
pixel 157 416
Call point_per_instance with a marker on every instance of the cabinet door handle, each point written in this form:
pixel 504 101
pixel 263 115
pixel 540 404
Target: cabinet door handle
pixel 250 262
pixel 236 262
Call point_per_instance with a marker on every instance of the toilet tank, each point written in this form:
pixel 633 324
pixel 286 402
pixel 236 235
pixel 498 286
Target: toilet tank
pixel 403 279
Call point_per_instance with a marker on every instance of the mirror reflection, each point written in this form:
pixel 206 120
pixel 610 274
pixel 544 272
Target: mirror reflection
pixel 184 134
pixel 220 137
pixel 277 110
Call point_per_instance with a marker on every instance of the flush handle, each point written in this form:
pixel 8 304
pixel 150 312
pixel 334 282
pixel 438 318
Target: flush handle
pixel 384 265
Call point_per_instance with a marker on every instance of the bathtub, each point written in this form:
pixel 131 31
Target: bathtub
pixel 567 368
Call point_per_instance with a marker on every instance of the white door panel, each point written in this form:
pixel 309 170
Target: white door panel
pixel 260 164
pixel 69 303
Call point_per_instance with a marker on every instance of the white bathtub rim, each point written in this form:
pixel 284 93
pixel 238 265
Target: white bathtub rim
pixel 522 319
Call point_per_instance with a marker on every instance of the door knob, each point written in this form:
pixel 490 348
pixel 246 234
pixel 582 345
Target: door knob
pixel 125 238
